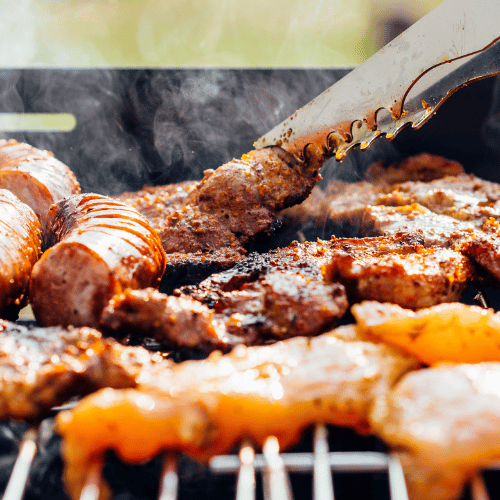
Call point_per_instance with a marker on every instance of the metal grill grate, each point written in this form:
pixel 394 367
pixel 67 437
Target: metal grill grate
pixel 274 466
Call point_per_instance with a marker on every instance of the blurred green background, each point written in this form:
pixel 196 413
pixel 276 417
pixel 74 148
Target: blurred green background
pixel 199 33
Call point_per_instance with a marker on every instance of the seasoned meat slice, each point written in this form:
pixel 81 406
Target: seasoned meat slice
pixel 280 305
pixel 20 248
pixel 44 367
pixel 227 209
pixel 398 268
pixel 463 197
pixel 35 177
pixel 332 207
pixel 299 290
pixel 104 246
pixel 447 419
pixel 253 393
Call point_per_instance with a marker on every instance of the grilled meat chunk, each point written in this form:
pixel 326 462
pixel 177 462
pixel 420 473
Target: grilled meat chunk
pixel 398 268
pixel 250 393
pixel 44 367
pixel 20 248
pixel 104 246
pixel 284 293
pixel 35 177
pixel 332 207
pixel 447 419
pixel 227 209
pixel 280 305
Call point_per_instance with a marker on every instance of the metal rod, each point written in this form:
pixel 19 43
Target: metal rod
pixel 92 486
pixel 169 483
pixel 342 461
pixel 322 473
pixel 397 483
pixel 276 481
pixel 245 486
pixel 20 473
pixel 478 490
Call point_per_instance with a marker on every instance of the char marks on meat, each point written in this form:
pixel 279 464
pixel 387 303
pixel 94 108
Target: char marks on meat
pixel 44 367
pixel 206 407
pixel 298 290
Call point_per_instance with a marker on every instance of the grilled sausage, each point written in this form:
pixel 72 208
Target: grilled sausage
pixel 103 246
pixel 35 177
pixel 20 248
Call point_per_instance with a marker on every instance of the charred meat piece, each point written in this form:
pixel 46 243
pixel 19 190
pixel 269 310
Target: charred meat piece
pixel 280 305
pixel 422 167
pixel 299 290
pixel 447 420
pixel 104 246
pixel 398 268
pixel 20 248
pixel 44 367
pixel 250 393
pixel 35 177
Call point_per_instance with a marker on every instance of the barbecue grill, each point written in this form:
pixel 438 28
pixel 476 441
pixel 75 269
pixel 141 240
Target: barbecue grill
pixel 144 126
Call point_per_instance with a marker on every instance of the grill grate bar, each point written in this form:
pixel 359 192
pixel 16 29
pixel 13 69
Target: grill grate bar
pixel 478 488
pixel 276 480
pixel 341 461
pixel 322 473
pixel 20 473
pixel 92 486
pixel 397 483
pixel 169 481
pixel 245 486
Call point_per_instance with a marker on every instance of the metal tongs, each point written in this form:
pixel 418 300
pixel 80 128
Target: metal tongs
pixel 402 84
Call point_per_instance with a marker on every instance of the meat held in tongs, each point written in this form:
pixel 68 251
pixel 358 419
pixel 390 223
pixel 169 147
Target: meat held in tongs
pixel 211 221
pixel 103 246
pixel 205 407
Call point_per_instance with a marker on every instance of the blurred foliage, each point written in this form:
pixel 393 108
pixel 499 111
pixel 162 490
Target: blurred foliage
pixel 192 33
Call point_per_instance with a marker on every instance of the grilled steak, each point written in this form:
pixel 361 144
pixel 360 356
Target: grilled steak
pixel 104 246
pixel 278 306
pixel 205 407
pixel 35 177
pixel 292 291
pixel 44 367
pixel 20 248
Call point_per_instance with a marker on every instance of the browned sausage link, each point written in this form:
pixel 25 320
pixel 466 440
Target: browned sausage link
pixel 104 247
pixel 35 177
pixel 20 248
